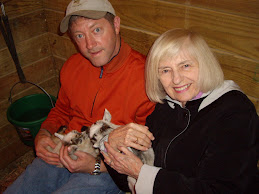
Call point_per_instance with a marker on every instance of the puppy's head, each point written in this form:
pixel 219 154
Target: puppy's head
pixel 101 128
pixel 72 138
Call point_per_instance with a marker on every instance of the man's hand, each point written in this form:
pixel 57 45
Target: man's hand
pixel 131 135
pixel 42 140
pixel 85 162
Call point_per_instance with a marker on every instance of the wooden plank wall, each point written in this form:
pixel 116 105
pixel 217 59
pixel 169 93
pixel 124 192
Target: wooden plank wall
pixel 29 28
pixel 231 27
pixel 231 31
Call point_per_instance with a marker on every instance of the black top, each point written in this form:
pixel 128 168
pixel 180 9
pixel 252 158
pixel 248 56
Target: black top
pixel 210 151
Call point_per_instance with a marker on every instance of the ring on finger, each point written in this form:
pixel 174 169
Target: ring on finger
pixel 136 141
pixel 110 163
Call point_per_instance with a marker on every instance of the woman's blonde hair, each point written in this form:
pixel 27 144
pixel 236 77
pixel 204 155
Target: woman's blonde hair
pixel 170 44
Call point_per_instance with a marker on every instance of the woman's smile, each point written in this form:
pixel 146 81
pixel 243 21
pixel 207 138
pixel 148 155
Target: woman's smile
pixel 182 89
pixel 179 76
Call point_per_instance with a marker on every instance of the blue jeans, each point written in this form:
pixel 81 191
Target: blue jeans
pixel 41 177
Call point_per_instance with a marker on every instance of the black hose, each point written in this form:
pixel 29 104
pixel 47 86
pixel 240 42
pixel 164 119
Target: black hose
pixel 7 34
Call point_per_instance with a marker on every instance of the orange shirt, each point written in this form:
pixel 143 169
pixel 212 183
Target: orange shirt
pixel 86 91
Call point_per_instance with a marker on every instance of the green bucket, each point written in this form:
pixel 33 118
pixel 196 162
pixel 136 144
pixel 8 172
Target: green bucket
pixel 28 113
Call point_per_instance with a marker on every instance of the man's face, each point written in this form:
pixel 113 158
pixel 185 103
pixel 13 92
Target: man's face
pixel 97 40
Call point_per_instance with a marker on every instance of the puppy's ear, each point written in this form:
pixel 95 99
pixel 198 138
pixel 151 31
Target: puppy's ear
pixel 86 129
pixel 62 129
pixel 107 116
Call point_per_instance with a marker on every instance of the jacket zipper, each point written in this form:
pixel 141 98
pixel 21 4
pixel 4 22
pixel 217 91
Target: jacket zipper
pixel 100 77
pixel 189 118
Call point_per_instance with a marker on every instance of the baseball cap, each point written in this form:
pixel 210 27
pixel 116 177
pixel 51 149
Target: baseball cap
pixel 94 9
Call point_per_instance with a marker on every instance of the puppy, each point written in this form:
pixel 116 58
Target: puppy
pixel 75 140
pixel 103 127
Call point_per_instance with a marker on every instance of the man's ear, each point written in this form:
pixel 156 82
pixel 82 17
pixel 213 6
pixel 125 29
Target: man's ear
pixel 117 22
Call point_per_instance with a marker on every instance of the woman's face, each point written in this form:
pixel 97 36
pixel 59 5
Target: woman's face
pixel 179 76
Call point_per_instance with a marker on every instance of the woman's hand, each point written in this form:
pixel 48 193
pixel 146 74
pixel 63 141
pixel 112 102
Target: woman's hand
pixel 131 135
pixel 124 162
pixel 42 140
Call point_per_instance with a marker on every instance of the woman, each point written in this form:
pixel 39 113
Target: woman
pixel 204 127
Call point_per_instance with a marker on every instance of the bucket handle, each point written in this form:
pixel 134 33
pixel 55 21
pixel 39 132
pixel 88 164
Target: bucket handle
pixel 10 97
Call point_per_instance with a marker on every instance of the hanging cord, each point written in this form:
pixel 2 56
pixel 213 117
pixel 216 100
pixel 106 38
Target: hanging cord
pixel 7 34
pixel 10 97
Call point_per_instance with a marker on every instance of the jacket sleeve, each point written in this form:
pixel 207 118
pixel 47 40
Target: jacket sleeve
pixel 229 161
pixel 59 115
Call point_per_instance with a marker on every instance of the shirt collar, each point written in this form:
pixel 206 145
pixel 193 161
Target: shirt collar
pixel 118 60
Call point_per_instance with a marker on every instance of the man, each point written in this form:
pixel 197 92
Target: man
pixel 106 73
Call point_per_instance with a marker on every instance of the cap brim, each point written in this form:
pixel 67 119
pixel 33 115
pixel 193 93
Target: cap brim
pixel 86 13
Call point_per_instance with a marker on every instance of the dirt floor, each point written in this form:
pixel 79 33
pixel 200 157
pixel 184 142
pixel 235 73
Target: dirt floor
pixel 13 170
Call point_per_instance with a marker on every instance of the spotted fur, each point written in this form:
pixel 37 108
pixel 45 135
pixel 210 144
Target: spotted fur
pixel 75 140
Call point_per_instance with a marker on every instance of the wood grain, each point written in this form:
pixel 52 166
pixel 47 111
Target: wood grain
pixel 28 51
pixel 57 5
pixel 16 8
pixel 246 8
pixel 12 148
pixel 36 72
pixel 25 27
pixel 61 46
pixel 223 31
